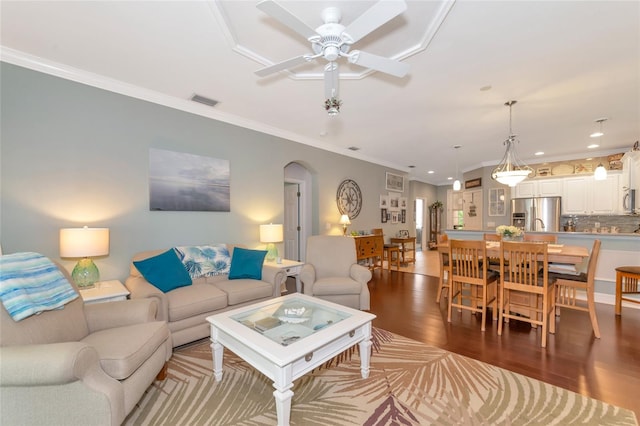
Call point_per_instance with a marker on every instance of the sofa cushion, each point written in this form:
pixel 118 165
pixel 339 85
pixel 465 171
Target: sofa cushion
pixel 205 261
pixel 336 285
pixel 245 290
pixel 246 263
pixel 186 302
pixel 165 271
pixel 123 350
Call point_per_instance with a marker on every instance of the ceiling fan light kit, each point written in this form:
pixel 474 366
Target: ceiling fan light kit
pixel 511 170
pixel 332 40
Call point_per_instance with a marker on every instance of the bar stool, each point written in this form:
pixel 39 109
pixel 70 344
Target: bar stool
pixel 627 282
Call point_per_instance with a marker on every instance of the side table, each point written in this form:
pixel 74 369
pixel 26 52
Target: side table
pixel 291 267
pixel 105 291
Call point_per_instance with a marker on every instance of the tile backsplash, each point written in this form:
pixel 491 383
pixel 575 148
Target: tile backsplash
pixel 625 223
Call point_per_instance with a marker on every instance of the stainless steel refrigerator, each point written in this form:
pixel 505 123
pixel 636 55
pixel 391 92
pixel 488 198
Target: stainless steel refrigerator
pixel 541 214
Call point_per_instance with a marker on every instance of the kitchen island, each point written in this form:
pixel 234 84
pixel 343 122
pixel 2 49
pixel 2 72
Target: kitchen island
pixel 616 250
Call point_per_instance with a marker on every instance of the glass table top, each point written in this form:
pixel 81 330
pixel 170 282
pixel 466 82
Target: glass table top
pixel 290 321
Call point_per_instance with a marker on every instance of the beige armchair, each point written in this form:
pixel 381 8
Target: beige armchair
pixel 331 272
pixel 80 365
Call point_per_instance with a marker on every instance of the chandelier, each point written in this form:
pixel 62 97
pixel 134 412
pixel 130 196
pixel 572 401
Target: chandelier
pixel 511 170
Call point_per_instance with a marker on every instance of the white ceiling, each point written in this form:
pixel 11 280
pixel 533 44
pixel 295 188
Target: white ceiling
pixel 567 63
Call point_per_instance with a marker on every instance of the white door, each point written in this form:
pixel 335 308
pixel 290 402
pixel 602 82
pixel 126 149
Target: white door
pixel 420 219
pixel 472 210
pixel 292 221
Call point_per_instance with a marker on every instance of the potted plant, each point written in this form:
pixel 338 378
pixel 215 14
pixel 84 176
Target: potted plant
pixel 436 205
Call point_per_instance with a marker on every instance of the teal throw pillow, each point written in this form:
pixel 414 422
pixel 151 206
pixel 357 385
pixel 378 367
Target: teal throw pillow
pixel 246 264
pixel 165 271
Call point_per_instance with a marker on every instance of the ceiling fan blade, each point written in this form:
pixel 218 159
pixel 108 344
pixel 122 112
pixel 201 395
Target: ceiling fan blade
pixel 289 63
pixel 331 80
pixel 379 63
pixel 377 15
pixel 287 18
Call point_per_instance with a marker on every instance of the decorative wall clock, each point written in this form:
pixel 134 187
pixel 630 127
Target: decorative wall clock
pixel 349 198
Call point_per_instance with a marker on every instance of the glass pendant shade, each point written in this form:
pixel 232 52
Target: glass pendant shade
pixel 600 173
pixel 457 185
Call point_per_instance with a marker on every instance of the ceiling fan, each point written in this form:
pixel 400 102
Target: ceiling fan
pixel 332 40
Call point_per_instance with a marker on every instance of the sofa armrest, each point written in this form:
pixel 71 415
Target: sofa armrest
pixel 68 381
pixel 360 273
pixel 101 316
pixel 47 364
pixel 139 288
pixel 308 277
pixel 275 277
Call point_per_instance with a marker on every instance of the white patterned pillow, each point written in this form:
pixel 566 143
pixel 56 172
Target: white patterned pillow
pixel 205 261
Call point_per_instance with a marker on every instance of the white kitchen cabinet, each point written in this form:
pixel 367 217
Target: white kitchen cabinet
pixel 538 188
pixel 585 195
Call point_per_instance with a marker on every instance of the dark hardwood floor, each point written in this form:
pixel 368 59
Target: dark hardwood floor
pixel 607 369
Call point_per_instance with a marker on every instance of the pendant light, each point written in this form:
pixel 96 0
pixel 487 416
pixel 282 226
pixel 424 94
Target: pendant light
pixel 600 173
pixel 457 185
pixel 511 170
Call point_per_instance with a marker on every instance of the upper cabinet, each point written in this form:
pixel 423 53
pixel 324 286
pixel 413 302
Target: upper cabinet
pixel 538 188
pixel 585 195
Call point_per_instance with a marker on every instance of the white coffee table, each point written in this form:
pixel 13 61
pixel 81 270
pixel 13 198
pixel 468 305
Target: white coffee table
pixel 290 345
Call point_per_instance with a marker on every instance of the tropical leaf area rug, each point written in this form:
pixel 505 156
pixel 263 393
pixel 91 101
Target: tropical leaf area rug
pixel 410 384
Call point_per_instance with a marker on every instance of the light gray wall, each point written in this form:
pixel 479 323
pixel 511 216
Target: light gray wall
pixel 73 155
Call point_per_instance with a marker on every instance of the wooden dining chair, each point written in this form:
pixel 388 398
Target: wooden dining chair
pixel 541 238
pixel 469 279
pixel 568 286
pixel 527 275
pixel 388 251
pixel 494 262
pixel 443 257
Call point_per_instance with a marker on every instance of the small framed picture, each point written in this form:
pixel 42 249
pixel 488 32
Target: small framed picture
pixel 395 217
pixel 473 183
pixel 394 202
pixel 384 201
pixel 394 182
pixel 403 216
pixel 383 215
pixel 403 233
pixel 402 202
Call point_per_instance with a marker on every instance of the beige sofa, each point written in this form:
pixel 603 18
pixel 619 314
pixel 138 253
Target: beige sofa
pixel 186 308
pixel 80 365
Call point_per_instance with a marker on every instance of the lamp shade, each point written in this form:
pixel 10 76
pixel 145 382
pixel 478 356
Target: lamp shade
pixel 344 220
pixel 84 242
pixel 271 233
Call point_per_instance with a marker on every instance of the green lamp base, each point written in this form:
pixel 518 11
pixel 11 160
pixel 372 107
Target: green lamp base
pixel 85 274
pixel 272 252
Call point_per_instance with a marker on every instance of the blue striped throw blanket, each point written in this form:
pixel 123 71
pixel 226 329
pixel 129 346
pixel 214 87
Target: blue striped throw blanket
pixel 30 283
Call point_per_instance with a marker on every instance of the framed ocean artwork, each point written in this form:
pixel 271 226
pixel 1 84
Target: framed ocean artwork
pixel 188 182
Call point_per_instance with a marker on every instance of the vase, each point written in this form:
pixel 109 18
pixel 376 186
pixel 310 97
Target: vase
pixel 513 237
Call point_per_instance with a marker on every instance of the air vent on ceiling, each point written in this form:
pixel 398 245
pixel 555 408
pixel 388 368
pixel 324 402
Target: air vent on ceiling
pixel 354 148
pixel 204 100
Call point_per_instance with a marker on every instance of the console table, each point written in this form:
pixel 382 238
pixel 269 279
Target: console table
pixel 370 247
pixel 407 246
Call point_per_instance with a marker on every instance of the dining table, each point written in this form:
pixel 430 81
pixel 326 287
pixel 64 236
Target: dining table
pixel 556 253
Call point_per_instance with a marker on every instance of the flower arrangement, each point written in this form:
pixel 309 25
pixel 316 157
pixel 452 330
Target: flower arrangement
pixel 509 231
pixel 436 205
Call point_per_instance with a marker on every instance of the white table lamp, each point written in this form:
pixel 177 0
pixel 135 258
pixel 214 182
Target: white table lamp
pixel 344 221
pixel 270 234
pixel 85 243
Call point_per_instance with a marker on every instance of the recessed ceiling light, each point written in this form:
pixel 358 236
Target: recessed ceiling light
pixel 485 88
pixel 430 172
pixel 449 178
pixel 539 153
pixel 353 148
pixel 593 145
pixel 596 134
pixel 412 167
pixel 588 159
